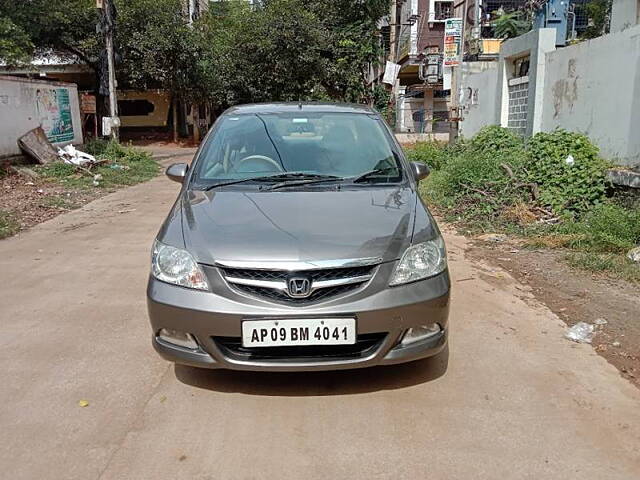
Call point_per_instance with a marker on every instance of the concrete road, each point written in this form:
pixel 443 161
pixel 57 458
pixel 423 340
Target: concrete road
pixel 516 402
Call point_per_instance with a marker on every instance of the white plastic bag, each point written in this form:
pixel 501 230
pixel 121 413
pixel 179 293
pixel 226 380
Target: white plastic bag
pixel 75 157
pixel 581 332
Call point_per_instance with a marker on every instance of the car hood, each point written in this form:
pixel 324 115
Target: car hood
pixel 298 226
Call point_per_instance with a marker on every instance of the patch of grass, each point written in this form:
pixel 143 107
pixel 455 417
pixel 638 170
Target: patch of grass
pixel 8 224
pixel 55 201
pixel 611 264
pixel 552 240
pixel 606 228
pixel 96 146
pixel 124 166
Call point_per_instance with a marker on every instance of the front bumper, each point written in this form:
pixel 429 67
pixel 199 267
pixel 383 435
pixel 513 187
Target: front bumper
pixel 388 312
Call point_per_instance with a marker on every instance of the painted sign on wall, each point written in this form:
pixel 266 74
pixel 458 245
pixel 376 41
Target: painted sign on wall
pixel 54 113
pixel 452 41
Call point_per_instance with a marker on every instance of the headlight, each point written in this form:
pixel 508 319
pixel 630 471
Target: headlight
pixel 177 266
pixel 421 261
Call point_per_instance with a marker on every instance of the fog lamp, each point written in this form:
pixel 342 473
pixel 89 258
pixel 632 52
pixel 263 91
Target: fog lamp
pixel 421 332
pixel 180 339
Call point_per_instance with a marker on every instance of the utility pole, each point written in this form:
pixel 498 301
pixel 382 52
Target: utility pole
pixel 456 80
pixel 108 25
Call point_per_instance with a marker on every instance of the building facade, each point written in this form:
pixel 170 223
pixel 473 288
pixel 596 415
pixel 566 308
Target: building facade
pixel 413 30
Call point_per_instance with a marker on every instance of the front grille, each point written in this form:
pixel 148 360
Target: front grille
pixel 315 275
pixel 365 345
pixel 280 296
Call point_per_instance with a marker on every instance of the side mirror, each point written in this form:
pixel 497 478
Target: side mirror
pixel 420 170
pixel 177 172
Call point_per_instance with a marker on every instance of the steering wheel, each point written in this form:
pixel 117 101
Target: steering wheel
pixel 261 158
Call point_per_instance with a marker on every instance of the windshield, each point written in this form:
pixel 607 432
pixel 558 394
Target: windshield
pixel 336 144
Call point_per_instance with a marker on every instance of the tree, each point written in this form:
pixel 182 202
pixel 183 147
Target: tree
pixel 292 49
pixel 352 44
pixel 599 14
pixel 512 24
pixel 15 44
pixel 156 47
pixel 275 50
pixel 65 26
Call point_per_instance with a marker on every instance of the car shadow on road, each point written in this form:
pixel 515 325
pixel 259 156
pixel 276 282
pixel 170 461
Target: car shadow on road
pixel 339 382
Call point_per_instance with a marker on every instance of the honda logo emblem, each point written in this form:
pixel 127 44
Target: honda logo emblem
pixel 299 287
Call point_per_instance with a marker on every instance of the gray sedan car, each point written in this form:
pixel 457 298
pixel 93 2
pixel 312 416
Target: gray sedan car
pixel 298 242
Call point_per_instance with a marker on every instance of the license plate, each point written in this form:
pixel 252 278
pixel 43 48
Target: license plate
pixel 288 333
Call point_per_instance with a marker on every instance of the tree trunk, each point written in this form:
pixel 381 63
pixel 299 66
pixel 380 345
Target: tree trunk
pixel 196 123
pixel 175 119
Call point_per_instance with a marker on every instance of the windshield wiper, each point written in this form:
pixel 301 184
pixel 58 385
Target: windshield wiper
pixel 279 176
pixel 376 171
pixel 313 178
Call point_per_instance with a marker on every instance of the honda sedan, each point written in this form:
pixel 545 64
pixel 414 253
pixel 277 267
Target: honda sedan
pixel 298 241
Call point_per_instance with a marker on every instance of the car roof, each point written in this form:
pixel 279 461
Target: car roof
pixel 291 107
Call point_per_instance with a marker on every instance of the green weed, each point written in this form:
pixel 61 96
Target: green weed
pixel 8 224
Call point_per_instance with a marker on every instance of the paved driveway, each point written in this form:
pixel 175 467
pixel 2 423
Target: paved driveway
pixel 517 400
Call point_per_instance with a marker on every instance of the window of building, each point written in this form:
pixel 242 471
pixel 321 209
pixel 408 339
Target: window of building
pixel 135 108
pixel 443 10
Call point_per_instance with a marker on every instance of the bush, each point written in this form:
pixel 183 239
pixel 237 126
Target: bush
pixel 434 154
pixel 496 139
pixel 476 185
pixel 565 185
pixel 480 179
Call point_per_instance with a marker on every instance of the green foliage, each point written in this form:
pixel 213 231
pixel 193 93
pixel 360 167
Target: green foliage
pixel 8 224
pixel 475 185
pixel 617 266
pixel 66 26
pixel 434 154
pixel 599 14
pixel 382 100
pixel 158 48
pixel 496 182
pixel 235 53
pixel 566 186
pixel 15 44
pixel 58 202
pixel 607 227
pixel 512 24
pixel 95 146
pixel 561 169
pixel 125 166
pixel 477 180
pixel 495 139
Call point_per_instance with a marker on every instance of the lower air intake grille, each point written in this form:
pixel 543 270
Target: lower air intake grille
pixel 365 345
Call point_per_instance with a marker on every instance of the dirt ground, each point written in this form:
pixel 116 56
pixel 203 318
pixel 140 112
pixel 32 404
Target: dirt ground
pixel 575 296
pixel 33 201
